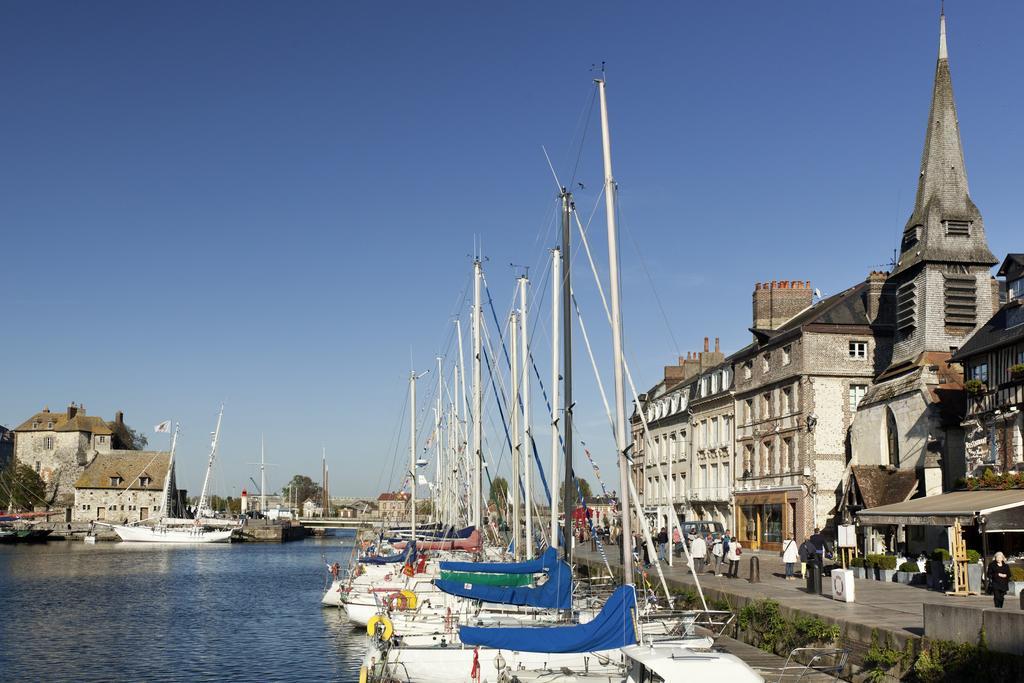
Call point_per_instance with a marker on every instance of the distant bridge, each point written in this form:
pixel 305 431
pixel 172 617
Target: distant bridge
pixel 339 522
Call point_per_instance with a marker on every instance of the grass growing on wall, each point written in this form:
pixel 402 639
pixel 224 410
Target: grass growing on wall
pixel 772 632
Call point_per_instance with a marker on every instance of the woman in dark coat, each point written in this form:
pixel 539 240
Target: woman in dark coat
pixel 999 578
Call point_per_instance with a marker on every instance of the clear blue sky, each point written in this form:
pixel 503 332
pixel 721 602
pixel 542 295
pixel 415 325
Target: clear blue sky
pixel 272 203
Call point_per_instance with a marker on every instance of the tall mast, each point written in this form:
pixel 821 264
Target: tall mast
pixel 435 512
pixel 613 277
pixel 517 446
pixel 461 444
pixel 477 465
pixel 263 479
pixel 556 276
pixel 568 488
pixel 526 451
pixel 412 451
pixel 170 474
pixel 209 464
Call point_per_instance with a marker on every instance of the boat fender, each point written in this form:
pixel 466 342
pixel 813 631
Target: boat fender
pixel 362 674
pixel 388 629
pixel 397 601
pixel 410 599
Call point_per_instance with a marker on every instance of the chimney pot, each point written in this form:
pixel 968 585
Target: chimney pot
pixel 706 344
pixel 774 284
pixel 716 345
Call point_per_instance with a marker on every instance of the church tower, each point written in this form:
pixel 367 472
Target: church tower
pixel 941 286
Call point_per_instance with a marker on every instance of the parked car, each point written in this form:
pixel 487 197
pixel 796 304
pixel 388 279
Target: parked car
pixel 703 528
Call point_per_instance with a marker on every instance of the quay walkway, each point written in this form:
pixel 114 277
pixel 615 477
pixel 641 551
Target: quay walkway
pixel 893 610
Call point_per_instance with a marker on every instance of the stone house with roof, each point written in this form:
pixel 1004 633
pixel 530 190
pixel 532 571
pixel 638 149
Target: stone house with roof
pixel 393 507
pixel 712 465
pixel 796 390
pixel 122 486
pixel 59 446
pixel 6 447
pixel 994 356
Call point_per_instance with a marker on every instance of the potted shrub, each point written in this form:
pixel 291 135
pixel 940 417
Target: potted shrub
pixel 938 569
pixel 857 567
pixel 883 566
pixel 974 571
pixel 909 573
pixel 1017 372
pixel 975 387
pixel 1016 580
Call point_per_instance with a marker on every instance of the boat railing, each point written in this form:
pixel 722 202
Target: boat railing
pixel 822 660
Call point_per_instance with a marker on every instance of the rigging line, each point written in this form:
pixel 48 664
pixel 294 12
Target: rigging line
pixel 398 434
pixel 583 136
pixel 650 280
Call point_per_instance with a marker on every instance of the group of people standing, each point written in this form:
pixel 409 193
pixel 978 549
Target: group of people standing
pixel 709 551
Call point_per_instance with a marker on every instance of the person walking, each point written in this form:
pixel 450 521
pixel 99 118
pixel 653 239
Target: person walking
pixel 698 549
pixel 806 552
pixel 735 550
pixel 677 541
pixel 717 551
pixel 820 546
pixel 662 543
pixel 789 556
pixel 999 579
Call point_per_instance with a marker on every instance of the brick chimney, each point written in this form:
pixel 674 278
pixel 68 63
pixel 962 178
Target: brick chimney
pixel 777 301
pixel 72 411
pixel 873 295
pixel 119 418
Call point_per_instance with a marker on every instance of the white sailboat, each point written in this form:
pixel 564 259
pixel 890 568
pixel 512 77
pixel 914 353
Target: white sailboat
pixel 168 530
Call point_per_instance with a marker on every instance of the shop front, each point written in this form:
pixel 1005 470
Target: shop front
pixel 763 519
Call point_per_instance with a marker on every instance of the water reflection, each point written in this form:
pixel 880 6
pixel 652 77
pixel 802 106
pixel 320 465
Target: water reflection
pixel 120 611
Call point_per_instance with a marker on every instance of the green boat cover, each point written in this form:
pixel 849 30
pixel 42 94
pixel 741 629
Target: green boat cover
pixel 507 580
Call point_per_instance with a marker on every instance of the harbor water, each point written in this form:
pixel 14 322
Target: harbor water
pixel 141 612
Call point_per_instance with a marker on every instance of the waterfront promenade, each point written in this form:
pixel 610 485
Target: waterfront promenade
pixel 892 609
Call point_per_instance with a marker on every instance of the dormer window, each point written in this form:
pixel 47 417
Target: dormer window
pixel 910 237
pixel 35 425
pixel 144 481
pixel 958 228
pixel 1015 289
pixel 116 481
pixel 49 425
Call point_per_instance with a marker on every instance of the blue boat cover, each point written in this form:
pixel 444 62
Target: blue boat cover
pixel 612 628
pixel 438 534
pixel 541 564
pixel 555 593
pixel 388 559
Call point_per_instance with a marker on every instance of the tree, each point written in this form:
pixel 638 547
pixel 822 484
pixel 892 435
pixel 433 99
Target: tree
pixel 584 486
pixel 302 487
pixel 21 487
pixel 499 493
pixel 137 441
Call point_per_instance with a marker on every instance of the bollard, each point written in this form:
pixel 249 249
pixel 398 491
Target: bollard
pixel 755 570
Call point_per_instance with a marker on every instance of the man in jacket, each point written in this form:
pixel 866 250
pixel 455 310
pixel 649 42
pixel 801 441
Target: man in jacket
pixel 698 549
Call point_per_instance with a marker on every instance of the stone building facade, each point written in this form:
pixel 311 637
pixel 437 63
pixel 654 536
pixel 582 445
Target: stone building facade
pixel 661 456
pixel 59 446
pixel 939 293
pixel 393 507
pixel 712 465
pixel 796 390
pixel 122 486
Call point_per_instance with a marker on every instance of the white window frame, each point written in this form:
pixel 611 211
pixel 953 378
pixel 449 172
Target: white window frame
pixel 858 350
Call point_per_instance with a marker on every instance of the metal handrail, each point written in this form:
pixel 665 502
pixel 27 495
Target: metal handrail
pixel 839 655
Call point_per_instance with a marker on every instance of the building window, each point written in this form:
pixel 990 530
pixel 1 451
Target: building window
pixel 787 400
pixel 906 308
pixel 38 464
pixel 958 228
pixel 960 300
pixel 48 443
pixel 714 431
pixel 910 236
pixel 35 425
pixel 892 437
pixel 766 405
pixel 766 362
pixel 115 481
pixel 748 410
pixel 979 371
pixel 786 354
pixel 748 457
pixel 1015 289
pixel 49 425
pixel 748 369
pixel 102 439
pixel 858 350
pixel 857 392
pixel 144 481
pixel 791 458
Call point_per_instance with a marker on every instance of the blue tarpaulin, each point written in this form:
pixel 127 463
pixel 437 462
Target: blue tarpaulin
pixel 541 564
pixel 554 593
pixel 612 628
pixel 409 551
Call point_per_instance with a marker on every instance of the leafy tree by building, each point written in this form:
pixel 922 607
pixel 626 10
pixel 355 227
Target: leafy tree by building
pixel 21 488
pixel 300 488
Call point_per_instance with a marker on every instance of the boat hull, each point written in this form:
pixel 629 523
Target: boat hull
pixel 170 535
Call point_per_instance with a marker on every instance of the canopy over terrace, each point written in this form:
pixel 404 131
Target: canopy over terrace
pixel 991 511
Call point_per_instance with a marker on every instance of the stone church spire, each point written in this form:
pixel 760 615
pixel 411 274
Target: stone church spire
pixel 945 226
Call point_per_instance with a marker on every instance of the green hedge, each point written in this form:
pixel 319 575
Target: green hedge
pixel 881 561
pixel 1016 572
pixel 941 554
pixel 910 567
pixel 973 555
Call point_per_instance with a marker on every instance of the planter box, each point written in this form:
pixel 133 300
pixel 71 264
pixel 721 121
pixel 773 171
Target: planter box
pixel 910 578
pixel 1016 587
pixel 858 572
pixel 974 573
pixel 886 575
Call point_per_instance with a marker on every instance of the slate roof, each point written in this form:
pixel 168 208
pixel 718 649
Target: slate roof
pixel 845 308
pixel 1013 267
pixel 128 465
pixel 994 334
pixel 883 486
pixel 394 496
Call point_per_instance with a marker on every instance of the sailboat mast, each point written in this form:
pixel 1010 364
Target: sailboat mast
pixel 412 452
pixel 436 497
pixel 170 473
pixel 568 488
pixel 556 276
pixel 613 277
pixel 478 455
pixel 517 446
pixel 462 440
pixel 263 478
pixel 209 464
pixel 527 483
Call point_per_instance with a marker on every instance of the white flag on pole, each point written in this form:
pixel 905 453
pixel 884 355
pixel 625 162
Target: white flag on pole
pixel 163 428
pixel 422 480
